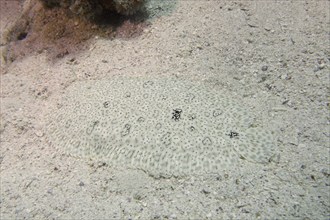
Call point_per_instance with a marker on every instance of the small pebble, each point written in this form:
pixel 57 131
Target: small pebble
pixel 262 79
pixel 81 183
pixel 146 30
pixel 325 172
pixel 284 76
pixel 267 28
pixel 264 68
pixel 50 191
pixel 173 216
pixel 39 133
pixel 321 66
pixel 205 191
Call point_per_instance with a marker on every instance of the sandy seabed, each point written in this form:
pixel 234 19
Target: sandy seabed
pixel 274 54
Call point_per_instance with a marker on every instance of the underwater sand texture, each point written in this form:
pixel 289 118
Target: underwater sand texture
pixel 164 126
